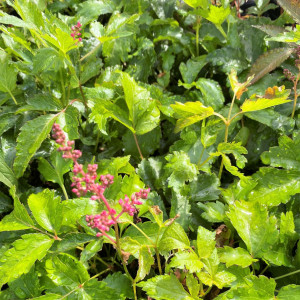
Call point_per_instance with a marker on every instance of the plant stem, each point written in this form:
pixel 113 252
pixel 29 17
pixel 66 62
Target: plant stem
pixel 198 21
pixel 64 191
pixel 62 88
pixel 158 261
pixel 120 252
pixel 295 95
pixel 138 146
pixel 12 96
pixel 134 290
pixel 288 274
pixel 207 291
pixel 227 124
pixel 264 270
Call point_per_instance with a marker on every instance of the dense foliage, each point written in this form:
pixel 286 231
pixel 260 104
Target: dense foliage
pixel 149 149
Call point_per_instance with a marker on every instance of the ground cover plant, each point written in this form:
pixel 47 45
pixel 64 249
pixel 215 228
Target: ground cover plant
pixel 149 149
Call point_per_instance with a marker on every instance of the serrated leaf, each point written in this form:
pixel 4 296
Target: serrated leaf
pixel 205 242
pixel 213 212
pixel 47 210
pixel 6 174
pixel 145 262
pixel 179 169
pixel 186 260
pixel 216 14
pixel 235 256
pixel 26 286
pixel 20 258
pixel 197 3
pixel 91 249
pixel 292 7
pixel 143 112
pixel 192 67
pixel 268 62
pixel 275 186
pixel 165 287
pixel 193 285
pixel 190 113
pixel 289 292
pixel 237 150
pixel 64 269
pixel 18 219
pixel 254 288
pixel 246 217
pixel 285 155
pixel 120 283
pixel 30 139
pixel 174 237
pixel 238 88
pixel 75 209
pixel 8 78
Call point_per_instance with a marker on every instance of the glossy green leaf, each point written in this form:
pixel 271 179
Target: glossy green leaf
pixel 246 217
pixel 235 256
pixel 145 262
pixel 47 210
pixel 289 292
pixel 193 285
pixel 8 78
pixel 18 219
pixel 24 252
pixel 190 113
pixel 275 186
pixel 174 237
pixel 6 174
pixel 186 260
pixel 30 139
pixel 237 150
pixel 285 155
pixel 215 14
pixel 205 242
pixel 191 68
pixel 63 269
pixel 165 287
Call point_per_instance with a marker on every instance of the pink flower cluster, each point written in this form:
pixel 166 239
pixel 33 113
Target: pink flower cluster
pixel 75 34
pixel 85 182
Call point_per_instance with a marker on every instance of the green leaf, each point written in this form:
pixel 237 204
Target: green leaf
pixel 120 283
pixel 47 210
pixel 174 237
pixel 269 61
pixel 215 14
pixel 26 286
pixel 237 150
pixel 206 188
pixel 191 68
pixel 289 292
pixel 54 172
pixel 197 3
pixel 75 209
pixel 235 256
pixel 292 7
pixel 8 81
pixel 6 174
pixel 186 260
pixel 215 272
pixel 7 121
pixel 246 218
pixel 193 285
pixel 285 155
pixel 165 287
pixel 91 249
pixel 69 122
pixel 254 288
pixel 145 262
pixel 30 139
pixel 64 269
pixel 213 212
pixel 47 59
pixel 18 219
pixel 143 112
pixel 190 113
pixel 24 252
pixel 263 103
pixel 275 186
pixel 205 242
pixel 179 169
